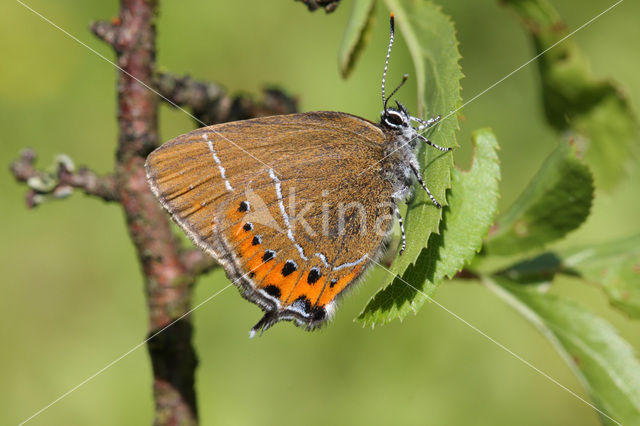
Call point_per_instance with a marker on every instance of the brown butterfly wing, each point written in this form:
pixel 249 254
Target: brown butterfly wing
pixel 291 206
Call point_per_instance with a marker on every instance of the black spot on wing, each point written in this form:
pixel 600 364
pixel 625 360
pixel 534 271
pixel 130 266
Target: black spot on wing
pixel 272 290
pixel 268 255
pixel 289 268
pixel 314 276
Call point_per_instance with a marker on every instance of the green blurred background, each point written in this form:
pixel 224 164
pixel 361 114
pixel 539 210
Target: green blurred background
pixel 72 299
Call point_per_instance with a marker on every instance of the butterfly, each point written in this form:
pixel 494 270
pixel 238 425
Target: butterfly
pixel 294 207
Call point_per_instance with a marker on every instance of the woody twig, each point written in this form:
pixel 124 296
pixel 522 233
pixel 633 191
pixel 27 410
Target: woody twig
pixel 167 280
pixel 61 180
pixel 210 103
pixel 169 270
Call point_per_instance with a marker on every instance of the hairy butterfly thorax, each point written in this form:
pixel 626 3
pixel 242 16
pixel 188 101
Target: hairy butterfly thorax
pixel 294 207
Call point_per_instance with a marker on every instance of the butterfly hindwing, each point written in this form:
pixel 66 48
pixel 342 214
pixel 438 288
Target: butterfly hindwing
pixel 289 205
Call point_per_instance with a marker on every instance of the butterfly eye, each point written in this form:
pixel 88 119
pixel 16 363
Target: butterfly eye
pixel 394 118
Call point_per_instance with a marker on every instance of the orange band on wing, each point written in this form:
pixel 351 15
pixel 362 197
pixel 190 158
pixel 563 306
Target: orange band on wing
pixel 330 293
pixel 303 288
pixel 258 268
pixel 237 230
pixel 284 284
pixel 246 249
pixel 236 211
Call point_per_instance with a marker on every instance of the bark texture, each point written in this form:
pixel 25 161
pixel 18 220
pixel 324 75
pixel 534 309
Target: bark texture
pixel 169 271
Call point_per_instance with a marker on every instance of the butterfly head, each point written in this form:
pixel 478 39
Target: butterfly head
pixel 396 118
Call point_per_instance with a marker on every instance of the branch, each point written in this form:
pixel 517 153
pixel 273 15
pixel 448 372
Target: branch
pixel 60 183
pixel 107 32
pixel 211 104
pixel 168 282
pixel 197 261
pixel 169 272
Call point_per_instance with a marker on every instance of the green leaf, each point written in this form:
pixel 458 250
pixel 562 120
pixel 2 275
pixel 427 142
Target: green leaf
pixel 605 363
pixel 595 113
pixel 543 267
pixel 473 202
pixel 430 37
pixel 356 34
pixel 557 201
pixel 615 266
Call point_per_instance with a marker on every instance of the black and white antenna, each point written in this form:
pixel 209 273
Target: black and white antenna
pixel 386 62
pixel 404 78
pixel 385 100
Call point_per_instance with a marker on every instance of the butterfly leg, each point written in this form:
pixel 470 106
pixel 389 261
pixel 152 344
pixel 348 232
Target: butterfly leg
pixel 416 171
pixel 425 124
pixel 441 148
pixel 404 239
